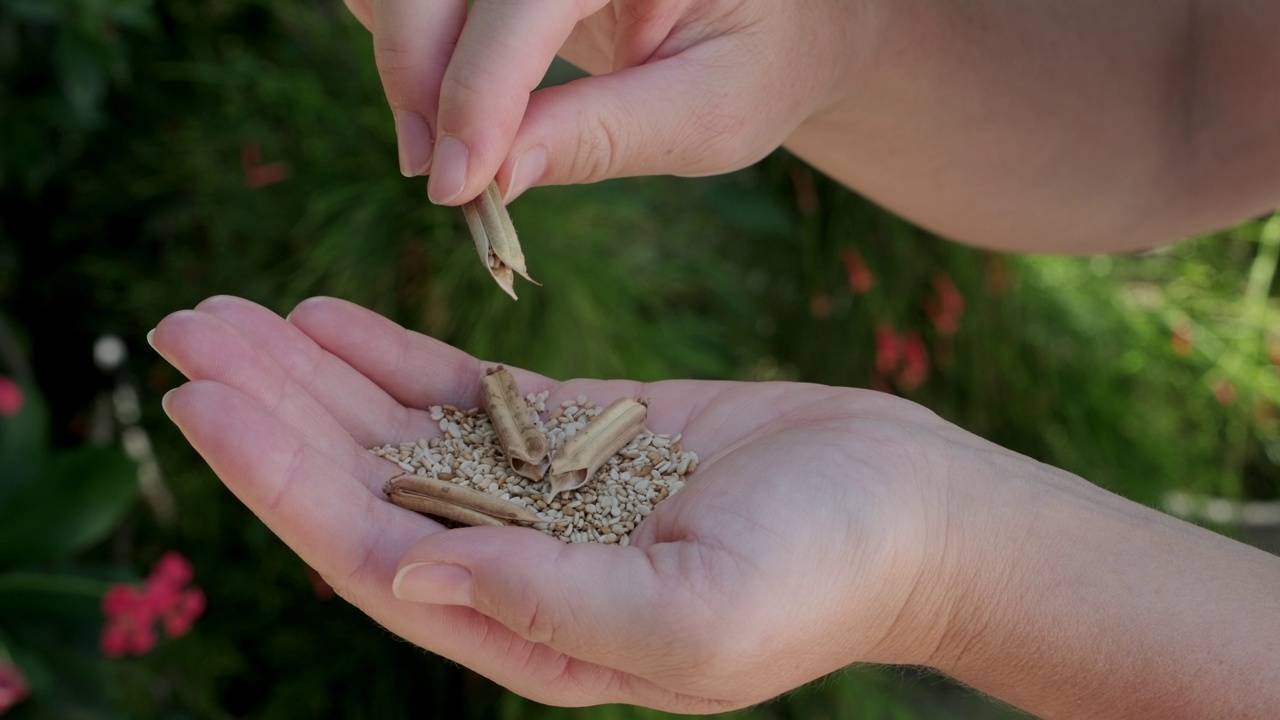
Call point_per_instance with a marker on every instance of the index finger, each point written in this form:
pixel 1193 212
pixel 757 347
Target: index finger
pixel 503 53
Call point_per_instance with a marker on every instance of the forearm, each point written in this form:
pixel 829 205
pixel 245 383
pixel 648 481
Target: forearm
pixel 1090 606
pixel 1066 126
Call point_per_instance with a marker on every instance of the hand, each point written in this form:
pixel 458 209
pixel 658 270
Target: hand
pixel 813 534
pixel 680 87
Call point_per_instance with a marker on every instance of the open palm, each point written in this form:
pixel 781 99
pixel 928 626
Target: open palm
pixel 795 549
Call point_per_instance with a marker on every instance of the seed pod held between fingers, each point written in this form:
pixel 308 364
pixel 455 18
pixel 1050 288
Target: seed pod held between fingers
pixel 514 423
pixel 583 454
pixel 495 238
pixel 415 487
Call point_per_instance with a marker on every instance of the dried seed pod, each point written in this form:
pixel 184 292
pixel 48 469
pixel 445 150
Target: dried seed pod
pixel 583 454
pixel 495 238
pixel 453 493
pixel 440 508
pixel 514 423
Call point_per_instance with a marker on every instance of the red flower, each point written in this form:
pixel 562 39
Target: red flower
pixel 132 612
pixel 915 363
pixel 860 278
pixel 946 306
pixel 13 687
pixel 256 174
pixel 11 399
pixel 904 355
pixel 887 350
pixel 1181 341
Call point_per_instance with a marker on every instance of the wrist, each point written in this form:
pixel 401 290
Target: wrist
pixel 969 555
pixel 1067 600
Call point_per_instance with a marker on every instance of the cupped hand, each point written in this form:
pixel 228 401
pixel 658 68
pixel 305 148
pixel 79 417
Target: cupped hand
pixel 812 535
pixel 684 87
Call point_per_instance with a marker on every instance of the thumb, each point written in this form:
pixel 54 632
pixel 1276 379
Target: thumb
pixel 675 116
pixel 619 607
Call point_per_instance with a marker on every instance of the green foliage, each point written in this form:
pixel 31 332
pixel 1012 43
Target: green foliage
pixel 81 496
pixel 58 59
pixel 56 505
pixel 153 154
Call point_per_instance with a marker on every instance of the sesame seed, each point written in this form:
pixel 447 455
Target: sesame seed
pixel 606 510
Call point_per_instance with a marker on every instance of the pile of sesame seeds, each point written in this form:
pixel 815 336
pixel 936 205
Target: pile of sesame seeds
pixel 646 471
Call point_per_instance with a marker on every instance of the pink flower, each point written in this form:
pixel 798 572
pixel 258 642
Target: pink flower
pixel 172 569
pixel 130 621
pixel 183 613
pixel 13 687
pixel 11 399
pixel 946 306
pixel 860 278
pixel 132 613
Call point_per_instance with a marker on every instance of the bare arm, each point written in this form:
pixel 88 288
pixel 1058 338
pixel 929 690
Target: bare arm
pixel 1086 605
pixel 1068 125
pixel 1071 126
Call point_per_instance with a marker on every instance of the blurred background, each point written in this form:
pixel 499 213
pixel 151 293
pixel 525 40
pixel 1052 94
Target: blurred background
pixel 156 152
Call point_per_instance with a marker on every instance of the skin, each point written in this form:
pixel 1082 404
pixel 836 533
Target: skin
pixel 1069 125
pixel 827 526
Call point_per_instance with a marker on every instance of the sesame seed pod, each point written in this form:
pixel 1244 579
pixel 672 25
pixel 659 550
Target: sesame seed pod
pixel 495 238
pixel 439 508
pixel 605 434
pixel 514 423
pixel 413 487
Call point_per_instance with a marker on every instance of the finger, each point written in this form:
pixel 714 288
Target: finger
pixel 683 115
pixel 419 371
pixel 329 518
pixel 363 12
pixel 416 370
pixel 503 53
pixel 366 411
pixel 412 43
pixel 623 607
pixel 204 347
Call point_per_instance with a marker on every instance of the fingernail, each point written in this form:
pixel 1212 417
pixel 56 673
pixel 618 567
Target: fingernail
pixel 448 170
pixel 151 338
pixel 414 138
pixel 434 583
pixel 527 171
pixel 164 404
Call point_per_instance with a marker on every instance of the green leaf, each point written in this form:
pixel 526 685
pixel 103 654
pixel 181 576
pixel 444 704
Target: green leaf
pixel 79 497
pixel 59 595
pixel 24 440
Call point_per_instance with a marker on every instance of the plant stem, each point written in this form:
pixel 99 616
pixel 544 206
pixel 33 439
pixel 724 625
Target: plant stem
pixel 33 582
